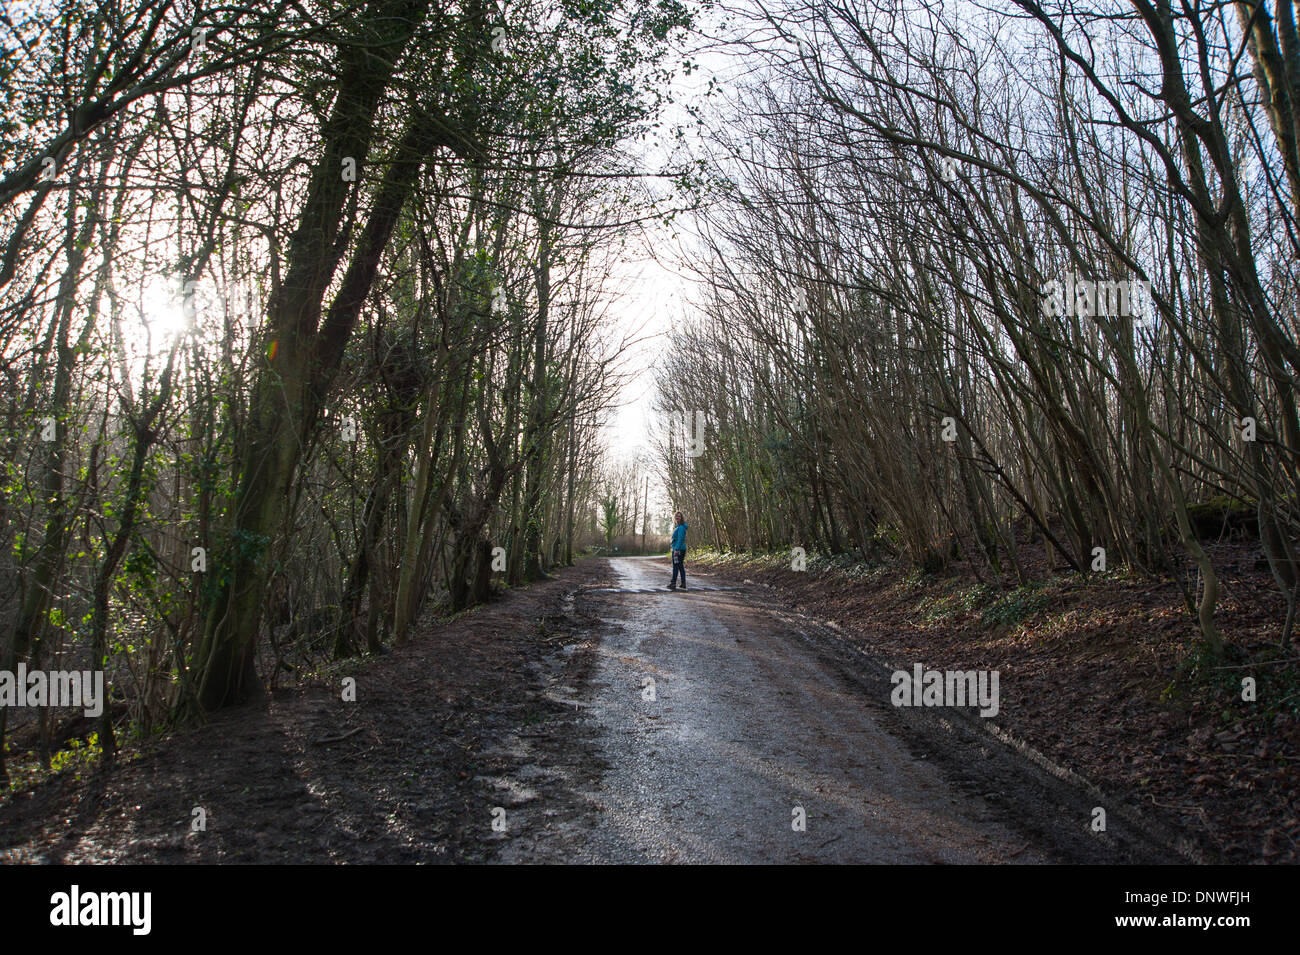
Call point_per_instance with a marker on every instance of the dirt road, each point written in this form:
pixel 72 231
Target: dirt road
pixel 529 731
pixel 745 729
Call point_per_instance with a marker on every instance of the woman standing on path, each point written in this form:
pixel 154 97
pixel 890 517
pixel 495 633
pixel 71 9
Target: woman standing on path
pixel 679 551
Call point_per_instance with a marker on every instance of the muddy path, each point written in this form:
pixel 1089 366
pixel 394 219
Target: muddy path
pixel 529 731
pixel 461 723
pixel 755 719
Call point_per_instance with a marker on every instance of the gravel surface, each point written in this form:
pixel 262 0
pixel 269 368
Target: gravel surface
pixel 526 731
pixel 752 724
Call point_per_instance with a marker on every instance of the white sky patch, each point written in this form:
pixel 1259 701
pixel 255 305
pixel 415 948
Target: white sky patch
pixel 652 303
pixel 161 311
pixel 655 299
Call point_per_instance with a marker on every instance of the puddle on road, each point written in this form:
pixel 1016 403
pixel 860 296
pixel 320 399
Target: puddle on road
pixel 737 735
pixel 652 590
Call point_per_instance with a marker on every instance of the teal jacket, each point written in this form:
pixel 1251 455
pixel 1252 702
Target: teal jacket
pixel 679 537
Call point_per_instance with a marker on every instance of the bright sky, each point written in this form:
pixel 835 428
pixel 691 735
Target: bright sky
pixel 655 297
pixel 652 303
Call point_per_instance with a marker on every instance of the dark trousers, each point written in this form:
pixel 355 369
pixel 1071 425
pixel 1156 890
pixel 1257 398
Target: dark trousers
pixel 679 567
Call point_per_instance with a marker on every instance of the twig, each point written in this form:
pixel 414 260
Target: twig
pixel 336 739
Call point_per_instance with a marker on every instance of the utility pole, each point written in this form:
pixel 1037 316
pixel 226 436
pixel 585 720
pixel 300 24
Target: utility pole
pixel 645 511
